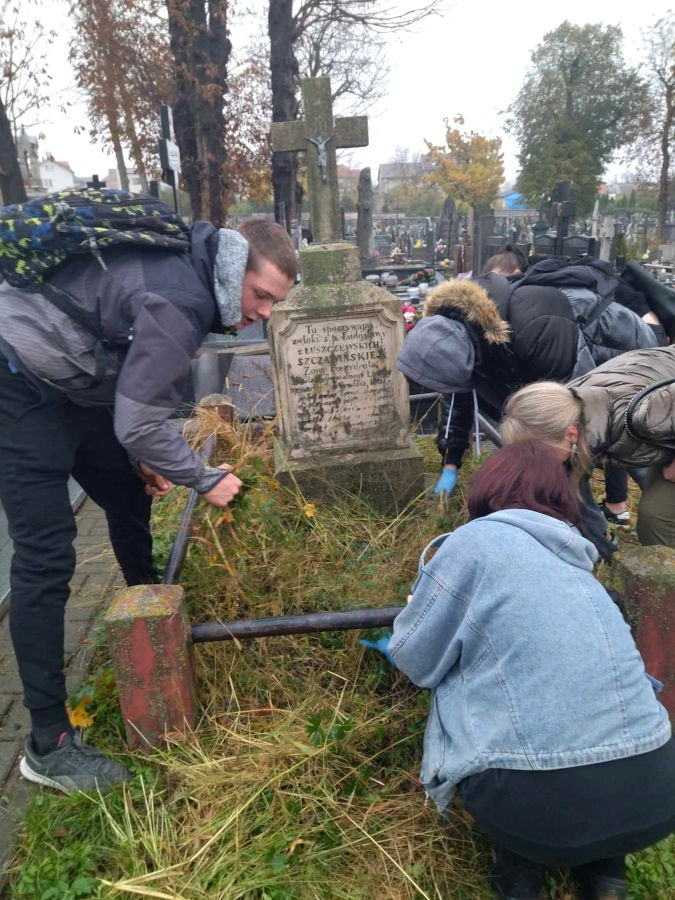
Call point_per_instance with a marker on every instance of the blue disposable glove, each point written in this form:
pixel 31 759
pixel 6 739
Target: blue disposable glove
pixel 446 483
pixel 382 645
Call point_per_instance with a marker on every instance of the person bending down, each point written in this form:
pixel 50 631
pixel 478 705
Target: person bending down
pixel 622 413
pixel 112 434
pixel 542 716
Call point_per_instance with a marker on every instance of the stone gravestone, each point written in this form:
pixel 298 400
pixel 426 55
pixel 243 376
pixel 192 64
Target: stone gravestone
pixel 342 404
pixel 364 222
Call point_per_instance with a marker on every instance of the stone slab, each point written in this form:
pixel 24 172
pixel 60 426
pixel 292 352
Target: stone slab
pixel 16 724
pixel 9 752
pixel 387 481
pixel 5 703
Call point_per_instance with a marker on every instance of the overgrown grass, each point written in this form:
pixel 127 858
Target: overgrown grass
pixel 300 782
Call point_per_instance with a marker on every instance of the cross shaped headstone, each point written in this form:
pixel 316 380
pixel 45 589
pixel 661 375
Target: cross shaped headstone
pixel 320 136
pixel 95 183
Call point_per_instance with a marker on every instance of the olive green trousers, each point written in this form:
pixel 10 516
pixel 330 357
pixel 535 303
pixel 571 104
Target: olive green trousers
pixel 656 512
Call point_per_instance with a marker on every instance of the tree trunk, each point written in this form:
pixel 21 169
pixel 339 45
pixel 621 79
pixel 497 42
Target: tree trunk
pixel 664 180
pixel 12 188
pixel 132 136
pixel 116 141
pixel 284 69
pixel 201 51
pixel 214 88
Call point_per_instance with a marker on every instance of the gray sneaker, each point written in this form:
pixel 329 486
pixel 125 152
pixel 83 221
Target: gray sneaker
pixel 73 766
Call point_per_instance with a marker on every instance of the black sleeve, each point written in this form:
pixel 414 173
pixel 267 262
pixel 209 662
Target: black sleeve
pixel 454 429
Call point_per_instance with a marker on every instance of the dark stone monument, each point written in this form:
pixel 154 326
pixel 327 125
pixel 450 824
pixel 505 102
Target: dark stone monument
pixel 364 222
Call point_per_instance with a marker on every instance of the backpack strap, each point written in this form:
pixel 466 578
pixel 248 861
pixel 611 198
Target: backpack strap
pixel 630 410
pixel 67 304
pixel 597 312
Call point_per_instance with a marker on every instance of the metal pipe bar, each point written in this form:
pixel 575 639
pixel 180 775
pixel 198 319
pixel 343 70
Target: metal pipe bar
pixel 490 429
pixel 344 620
pixel 174 564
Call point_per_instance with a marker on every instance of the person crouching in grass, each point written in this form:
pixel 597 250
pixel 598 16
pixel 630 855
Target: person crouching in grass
pixel 542 716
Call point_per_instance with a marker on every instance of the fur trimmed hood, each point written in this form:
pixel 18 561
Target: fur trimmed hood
pixel 472 302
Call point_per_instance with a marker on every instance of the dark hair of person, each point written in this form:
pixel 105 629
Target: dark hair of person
pixel 507 260
pixel 524 476
pixel 269 241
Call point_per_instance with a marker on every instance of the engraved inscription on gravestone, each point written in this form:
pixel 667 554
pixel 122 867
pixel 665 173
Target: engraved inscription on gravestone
pixel 339 391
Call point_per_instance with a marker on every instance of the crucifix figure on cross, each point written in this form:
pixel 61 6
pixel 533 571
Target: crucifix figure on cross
pixel 320 144
pixel 288 137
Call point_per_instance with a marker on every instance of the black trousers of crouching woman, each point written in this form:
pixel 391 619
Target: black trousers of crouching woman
pixel 585 817
pixel 44 439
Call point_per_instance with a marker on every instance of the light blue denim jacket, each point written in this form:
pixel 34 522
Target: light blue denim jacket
pixel 530 663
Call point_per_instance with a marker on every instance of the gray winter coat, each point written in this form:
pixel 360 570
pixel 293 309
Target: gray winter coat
pixel 629 407
pixel 154 308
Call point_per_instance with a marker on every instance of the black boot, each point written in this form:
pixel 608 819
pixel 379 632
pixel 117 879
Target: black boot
pixel 604 879
pixel 515 877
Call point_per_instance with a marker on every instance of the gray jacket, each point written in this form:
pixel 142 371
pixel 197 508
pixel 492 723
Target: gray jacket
pixel 629 407
pixel 153 308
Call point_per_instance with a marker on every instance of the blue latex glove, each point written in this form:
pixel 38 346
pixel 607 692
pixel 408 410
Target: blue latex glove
pixel 382 645
pixel 446 483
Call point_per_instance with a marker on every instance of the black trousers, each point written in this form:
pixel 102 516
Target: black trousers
pixel 44 439
pixel 577 816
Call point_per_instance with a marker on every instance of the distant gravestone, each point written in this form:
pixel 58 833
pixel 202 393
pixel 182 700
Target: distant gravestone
pixel 342 404
pixel 364 223
pixel 579 245
pixel 383 244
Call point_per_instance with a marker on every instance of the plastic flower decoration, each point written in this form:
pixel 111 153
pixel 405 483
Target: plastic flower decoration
pixel 411 315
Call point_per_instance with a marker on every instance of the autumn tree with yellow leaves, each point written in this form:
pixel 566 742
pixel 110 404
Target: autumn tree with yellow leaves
pixel 469 168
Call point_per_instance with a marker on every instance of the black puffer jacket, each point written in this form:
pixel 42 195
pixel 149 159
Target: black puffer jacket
pixel 518 337
pixel 595 291
pixel 605 330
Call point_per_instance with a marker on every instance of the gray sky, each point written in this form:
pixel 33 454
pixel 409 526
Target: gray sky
pixel 471 61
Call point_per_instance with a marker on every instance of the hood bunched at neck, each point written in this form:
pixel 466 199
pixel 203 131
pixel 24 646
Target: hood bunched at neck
pixel 471 301
pixel 228 275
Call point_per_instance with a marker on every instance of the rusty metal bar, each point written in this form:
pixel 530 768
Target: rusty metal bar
pixel 345 620
pixel 174 564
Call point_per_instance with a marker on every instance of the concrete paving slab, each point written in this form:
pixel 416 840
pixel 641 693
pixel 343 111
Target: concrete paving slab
pixel 10 684
pixel 16 724
pixel 9 753
pixel 5 703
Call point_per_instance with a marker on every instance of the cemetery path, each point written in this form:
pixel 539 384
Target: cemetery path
pixel 96 576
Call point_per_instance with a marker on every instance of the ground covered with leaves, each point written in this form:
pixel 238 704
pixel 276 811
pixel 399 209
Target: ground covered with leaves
pixel 301 780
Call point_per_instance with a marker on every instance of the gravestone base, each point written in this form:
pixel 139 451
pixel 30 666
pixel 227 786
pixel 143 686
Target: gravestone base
pixel 386 479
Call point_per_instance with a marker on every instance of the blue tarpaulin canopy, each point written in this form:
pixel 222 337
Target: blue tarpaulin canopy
pixel 514 200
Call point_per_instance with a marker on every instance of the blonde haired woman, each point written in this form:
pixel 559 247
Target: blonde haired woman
pixel 622 412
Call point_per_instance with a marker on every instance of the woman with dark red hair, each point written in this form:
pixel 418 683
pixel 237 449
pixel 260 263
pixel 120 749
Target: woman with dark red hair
pixel 542 715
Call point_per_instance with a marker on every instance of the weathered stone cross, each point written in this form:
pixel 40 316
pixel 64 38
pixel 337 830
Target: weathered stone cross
pixel 318 130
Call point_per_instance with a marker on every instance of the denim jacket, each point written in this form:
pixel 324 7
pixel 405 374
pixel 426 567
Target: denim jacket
pixel 530 662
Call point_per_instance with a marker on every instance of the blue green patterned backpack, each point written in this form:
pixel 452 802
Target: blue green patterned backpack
pixel 41 234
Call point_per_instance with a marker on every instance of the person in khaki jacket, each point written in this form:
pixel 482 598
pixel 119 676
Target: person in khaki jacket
pixel 622 412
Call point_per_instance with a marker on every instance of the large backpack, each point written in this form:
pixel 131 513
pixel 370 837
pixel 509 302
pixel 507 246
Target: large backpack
pixel 38 236
pixel 41 234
